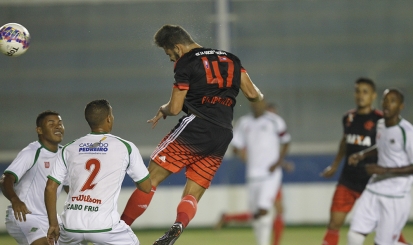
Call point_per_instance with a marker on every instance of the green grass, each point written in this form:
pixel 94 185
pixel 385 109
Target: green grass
pixel 293 235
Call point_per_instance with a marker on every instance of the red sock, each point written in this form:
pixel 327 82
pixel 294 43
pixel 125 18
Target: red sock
pixel 137 204
pixel 278 227
pixel 241 217
pixel 186 210
pixel 331 237
pixel 401 239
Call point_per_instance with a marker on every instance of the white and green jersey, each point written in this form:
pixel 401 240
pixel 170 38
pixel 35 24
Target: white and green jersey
pixel 395 149
pixel 96 165
pixel 31 168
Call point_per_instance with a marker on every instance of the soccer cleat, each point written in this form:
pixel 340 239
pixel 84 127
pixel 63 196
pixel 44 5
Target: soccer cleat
pixel 170 236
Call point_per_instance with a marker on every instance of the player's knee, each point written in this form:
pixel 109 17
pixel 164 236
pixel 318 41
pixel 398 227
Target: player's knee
pixel 355 238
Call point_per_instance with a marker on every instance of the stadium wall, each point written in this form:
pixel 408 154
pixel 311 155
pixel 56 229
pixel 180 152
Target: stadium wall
pixel 307 196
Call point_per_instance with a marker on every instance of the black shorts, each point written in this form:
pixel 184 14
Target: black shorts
pixel 196 144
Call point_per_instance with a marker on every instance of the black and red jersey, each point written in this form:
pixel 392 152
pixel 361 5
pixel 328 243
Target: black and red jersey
pixel 360 133
pixel 213 79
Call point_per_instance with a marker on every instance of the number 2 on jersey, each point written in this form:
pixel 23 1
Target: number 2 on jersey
pixel 95 162
pixel 215 68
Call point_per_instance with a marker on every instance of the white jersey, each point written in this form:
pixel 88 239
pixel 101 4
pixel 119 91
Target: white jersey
pixel 395 149
pixel 96 165
pixel 31 168
pixel 261 137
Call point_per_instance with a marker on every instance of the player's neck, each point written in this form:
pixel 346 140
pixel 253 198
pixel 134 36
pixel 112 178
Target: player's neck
pixel 393 121
pixel 364 110
pixel 48 145
pixel 101 130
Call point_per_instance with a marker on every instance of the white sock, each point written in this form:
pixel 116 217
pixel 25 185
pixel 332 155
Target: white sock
pixel 354 238
pixel 262 229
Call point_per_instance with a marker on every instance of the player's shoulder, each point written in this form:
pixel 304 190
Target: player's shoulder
pixel 377 113
pixel 350 113
pixel 406 125
pixel 31 148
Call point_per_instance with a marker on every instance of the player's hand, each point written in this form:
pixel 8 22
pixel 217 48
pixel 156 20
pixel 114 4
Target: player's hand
pixel 328 171
pixel 288 166
pixel 355 158
pixel 156 118
pixel 20 210
pixel 375 169
pixel 53 234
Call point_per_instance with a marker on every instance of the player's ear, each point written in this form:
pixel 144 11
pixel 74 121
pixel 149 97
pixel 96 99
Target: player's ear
pixel 39 130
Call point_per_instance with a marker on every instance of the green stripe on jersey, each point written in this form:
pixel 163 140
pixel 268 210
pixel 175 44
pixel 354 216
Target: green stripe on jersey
pixel 404 136
pixel 87 231
pixel 142 180
pixel 16 179
pixel 55 180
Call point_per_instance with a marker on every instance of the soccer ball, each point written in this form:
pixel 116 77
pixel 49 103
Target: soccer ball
pixel 14 39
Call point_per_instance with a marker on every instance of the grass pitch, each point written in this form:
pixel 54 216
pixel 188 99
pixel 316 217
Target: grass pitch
pixel 293 235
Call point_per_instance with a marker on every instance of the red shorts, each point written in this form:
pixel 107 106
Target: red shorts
pixel 344 199
pixel 196 144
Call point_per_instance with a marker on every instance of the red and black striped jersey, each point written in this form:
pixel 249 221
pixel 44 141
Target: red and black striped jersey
pixel 213 79
pixel 360 133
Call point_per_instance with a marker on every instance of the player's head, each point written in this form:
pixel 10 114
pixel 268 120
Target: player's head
pixel 272 107
pixel 172 38
pixel 49 127
pixel 99 116
pixel 365 92
pixel 393 103
pixel 258 108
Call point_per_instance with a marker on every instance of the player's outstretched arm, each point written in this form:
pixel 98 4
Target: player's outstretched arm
pixel 7 187
pixel 248 88
pixel 332 169
pixel 355 158
pixel 172 108
pixel 50 198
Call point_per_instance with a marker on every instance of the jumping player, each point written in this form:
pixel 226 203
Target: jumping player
pixel 24 181
pixel 385 204
pixel 207 82
pixel 96 165
pixel 359 134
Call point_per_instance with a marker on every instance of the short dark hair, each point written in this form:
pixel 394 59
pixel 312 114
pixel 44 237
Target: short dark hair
pixel 366 81
pixel 96 112
pixel 43 115
pixel 170 35
pixel 397 91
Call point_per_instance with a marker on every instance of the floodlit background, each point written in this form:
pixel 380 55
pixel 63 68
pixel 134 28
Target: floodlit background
pixel 304 56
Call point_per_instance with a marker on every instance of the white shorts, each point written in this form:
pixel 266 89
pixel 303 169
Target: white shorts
pixel 262 192
pixel 34 228
pixel 386 215
pixel 121 234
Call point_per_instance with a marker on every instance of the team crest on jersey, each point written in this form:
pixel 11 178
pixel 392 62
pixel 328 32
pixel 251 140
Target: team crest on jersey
pixel 356 139
pixel 34 229
pixel 47 164
pixel 369 125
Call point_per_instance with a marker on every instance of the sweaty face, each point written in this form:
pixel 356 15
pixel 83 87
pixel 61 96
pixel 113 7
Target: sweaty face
pixel 364 95
pixel 52 129
pixel 391 105
pixel 173 55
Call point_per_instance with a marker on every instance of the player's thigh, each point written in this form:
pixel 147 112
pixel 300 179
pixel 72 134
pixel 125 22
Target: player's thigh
pixel 268 190
pixel 34 228
pixel 366 213
pixel 343 199
pixel 394 213
pixel 121 234
pixel 71 238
